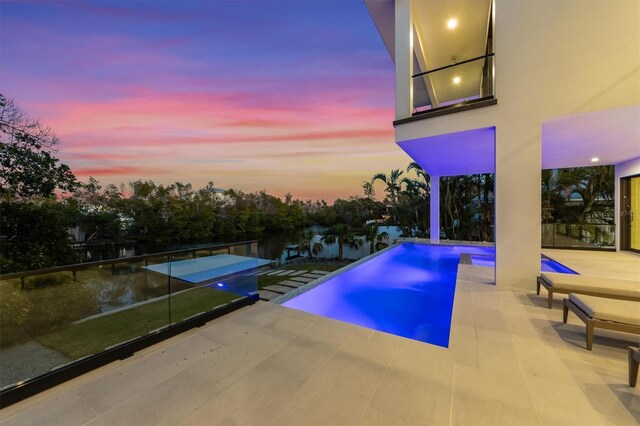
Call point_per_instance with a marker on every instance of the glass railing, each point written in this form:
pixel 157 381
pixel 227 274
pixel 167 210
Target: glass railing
pixel 585 236
pixel 54 317
pixel 459 84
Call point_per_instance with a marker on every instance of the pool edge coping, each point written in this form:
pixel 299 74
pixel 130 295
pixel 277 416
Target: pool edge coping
pixel 313 284
pixel 280 300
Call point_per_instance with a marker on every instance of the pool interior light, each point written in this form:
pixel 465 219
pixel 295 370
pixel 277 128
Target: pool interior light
pixel 456 80
pixel 220 284
pixel 595 159
pixel 452 23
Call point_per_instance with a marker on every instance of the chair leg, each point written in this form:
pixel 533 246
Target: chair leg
pixel 589 335
pixel 550 299
pixel 538 288
pixel 565 312
pixel 633 369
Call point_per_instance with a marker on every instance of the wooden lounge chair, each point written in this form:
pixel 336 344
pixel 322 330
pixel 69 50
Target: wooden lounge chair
pixel 634 360
pixel 611 288
pixel 600 312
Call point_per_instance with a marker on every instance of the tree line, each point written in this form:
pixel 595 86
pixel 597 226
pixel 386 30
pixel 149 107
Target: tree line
pixel 41 200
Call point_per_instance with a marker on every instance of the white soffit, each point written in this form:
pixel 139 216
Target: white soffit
pixel 454 154
pixel 612 135
pixel 383 13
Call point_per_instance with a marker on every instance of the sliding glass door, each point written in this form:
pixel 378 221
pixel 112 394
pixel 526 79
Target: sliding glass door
pixel 630 213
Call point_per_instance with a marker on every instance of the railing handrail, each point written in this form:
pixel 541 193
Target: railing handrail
pixel 78 266
pixel 580 224
pixel 453 65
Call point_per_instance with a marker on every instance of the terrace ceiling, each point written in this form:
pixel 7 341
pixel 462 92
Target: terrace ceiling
pixel 612 135
pixel 437 46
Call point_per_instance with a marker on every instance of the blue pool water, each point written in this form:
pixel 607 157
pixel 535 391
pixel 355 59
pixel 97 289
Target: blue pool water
pixel 546 264
pixel 407 290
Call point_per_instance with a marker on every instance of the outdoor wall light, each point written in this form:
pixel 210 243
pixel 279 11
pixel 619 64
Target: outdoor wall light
pixel 452 23
pixel 595 159
pixel 456 80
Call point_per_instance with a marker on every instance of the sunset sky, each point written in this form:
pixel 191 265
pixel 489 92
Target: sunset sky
pixel 287 96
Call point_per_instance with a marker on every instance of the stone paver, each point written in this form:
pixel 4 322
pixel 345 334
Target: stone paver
pixel 276 272
pixel 320 272
pixel 301 279
pixel 313 276
pixel 268 295
pixel 278 288
pixel 296 273
pixel 294 284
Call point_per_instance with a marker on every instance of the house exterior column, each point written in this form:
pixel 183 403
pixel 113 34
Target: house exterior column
pixel 404 58
pixel 434 210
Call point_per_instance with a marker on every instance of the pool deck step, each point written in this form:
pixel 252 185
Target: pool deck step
pixel 268 295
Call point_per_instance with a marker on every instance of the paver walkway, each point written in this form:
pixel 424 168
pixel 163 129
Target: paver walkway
pixel 294 279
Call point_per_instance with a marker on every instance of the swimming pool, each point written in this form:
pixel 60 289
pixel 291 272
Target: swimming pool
pixel 407 290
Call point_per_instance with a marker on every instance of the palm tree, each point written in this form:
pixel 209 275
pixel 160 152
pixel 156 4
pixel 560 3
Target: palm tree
pixel 393 182
pixel 343 235
pixel 377 241
pixel 307 244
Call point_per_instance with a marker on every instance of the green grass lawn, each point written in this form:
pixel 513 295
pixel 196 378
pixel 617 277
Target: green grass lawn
pixel 95 335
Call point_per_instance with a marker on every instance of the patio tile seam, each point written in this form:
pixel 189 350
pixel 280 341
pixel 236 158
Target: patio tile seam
pixel 373 395
pixel 276 410
pixel 527 384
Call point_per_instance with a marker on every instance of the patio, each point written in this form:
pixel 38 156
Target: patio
pixel 510 361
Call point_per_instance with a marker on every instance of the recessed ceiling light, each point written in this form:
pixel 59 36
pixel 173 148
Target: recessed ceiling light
pixel 456 80
pixel 452 23
pixel 595 159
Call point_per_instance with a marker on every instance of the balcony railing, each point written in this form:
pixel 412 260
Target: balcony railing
pixel 462 84
pixel 71 316
pixel 579 236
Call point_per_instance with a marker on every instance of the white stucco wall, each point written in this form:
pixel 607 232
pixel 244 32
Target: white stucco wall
pixel 626 169
pixel 553 58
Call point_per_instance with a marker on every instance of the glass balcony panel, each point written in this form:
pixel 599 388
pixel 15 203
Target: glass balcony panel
pixel 566 235
pixel 454 85
pixel 213 281
pixel 49 320
pixel 53 319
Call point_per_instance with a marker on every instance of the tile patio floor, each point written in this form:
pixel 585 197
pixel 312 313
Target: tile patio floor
pixel 510 361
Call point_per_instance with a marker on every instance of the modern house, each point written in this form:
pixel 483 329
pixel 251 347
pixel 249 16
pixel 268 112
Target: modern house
pixel 511 88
